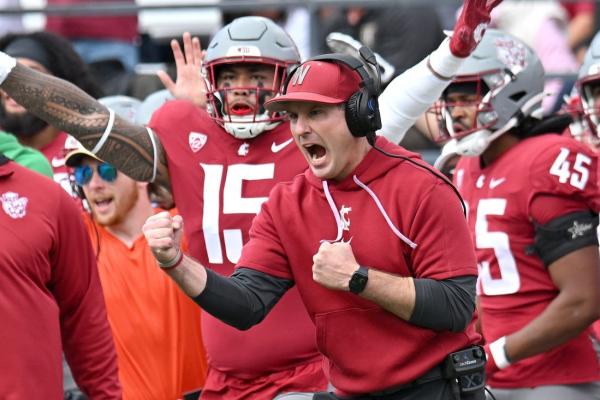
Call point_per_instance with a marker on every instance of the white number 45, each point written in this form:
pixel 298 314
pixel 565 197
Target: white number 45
pixel 578 175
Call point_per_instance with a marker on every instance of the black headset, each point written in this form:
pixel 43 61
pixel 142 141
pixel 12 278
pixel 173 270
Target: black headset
pixel 362 108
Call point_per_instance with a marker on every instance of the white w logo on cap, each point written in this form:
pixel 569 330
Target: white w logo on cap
pixel 300 74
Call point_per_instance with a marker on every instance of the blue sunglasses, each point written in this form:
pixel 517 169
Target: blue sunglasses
pixel 84 173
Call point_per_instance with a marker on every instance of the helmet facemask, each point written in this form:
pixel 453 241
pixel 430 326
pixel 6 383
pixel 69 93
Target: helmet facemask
pixel 240 109
pixel 590 102
pixel 473 133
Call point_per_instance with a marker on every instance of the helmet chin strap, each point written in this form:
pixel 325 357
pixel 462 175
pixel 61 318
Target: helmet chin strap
pixel 242 127
pixel 448 151
pixel 477 142
pixel 247 130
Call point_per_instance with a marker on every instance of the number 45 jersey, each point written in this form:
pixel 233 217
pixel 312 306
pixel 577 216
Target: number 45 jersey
pixel 219 184
pixel 537 180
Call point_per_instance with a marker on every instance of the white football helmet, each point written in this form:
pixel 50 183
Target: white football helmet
pixel 507 78
pixel 588 86
pixel 248 40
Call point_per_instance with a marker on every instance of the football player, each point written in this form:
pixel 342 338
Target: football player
pixel 221 164
pixel 588 88
pixel 532 196
pixel 586 126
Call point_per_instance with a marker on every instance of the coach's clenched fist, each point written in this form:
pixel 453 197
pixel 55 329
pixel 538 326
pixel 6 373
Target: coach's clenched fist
pixel 163 234
pixel 334 264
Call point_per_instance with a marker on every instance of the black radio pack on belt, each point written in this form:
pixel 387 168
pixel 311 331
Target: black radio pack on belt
pixel 466 369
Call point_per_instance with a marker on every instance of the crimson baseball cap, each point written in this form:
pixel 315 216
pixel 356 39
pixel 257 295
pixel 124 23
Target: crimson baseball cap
pixel 319 82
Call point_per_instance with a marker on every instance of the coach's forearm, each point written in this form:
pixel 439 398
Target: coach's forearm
pixel 190 276
pixel 243 299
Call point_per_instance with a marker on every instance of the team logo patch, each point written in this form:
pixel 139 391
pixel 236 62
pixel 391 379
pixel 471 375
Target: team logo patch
pixel 512 54
pixel 196 141
pixel 13 205
pixel 299 75
pixel 480 182
pixel 344 211
pixel 234 51
pixel 594 69
pixel 579 229
pixel 243 150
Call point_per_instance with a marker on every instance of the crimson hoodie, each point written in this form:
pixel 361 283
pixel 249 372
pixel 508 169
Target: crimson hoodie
pixel 402 220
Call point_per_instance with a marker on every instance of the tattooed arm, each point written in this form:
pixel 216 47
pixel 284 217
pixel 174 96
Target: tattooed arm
pixel 65 106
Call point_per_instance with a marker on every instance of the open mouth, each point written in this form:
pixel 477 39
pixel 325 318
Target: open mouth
pixel 315 151
pixel 102 204
pixel 241 109
pixel 459 127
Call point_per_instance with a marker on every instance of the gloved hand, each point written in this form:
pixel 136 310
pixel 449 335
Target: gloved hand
pixel 470 26
pixel 7 63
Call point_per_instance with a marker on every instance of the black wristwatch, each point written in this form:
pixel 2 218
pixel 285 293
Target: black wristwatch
pixel 359 280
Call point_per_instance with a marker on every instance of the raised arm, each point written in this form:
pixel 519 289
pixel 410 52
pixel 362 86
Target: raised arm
pixel 409 95
pixel 241 300
pixel 190 83
pixel 131 148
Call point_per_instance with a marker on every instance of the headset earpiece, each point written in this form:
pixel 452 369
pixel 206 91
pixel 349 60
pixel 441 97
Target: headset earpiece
pixel 352 111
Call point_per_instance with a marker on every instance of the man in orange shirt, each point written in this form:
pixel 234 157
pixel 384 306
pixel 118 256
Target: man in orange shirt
pixel 156 327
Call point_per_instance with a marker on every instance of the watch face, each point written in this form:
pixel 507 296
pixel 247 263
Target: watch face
pixel 358 282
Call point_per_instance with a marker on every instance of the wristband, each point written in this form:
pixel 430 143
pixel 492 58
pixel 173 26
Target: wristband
pixel 173 263
pixel 443 62
pixel 7 63
pixel 498 351
pixel 107 131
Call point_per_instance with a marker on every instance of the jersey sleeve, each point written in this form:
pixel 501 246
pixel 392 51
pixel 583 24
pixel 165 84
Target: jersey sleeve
pixel 444 246
pixel 264 251
pixel 563 179
pixel 86 335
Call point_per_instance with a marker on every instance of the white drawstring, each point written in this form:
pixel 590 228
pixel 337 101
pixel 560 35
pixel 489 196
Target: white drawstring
pixel 382 210
pixel 336 215
pixel 338 220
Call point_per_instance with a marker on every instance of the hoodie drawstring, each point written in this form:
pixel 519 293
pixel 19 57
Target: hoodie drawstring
pixel 373 196
pixel 335 212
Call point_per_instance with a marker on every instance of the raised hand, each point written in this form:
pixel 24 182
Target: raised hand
pixel 471 25
pixel 190 84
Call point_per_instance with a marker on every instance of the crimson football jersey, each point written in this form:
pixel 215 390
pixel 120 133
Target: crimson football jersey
pixel 535 181
pixel 399 219
pixel 55 152
pixel 219 183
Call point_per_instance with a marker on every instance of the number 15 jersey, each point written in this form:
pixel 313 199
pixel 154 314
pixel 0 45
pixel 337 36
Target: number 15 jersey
pixel 535 181
pixel 219 183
